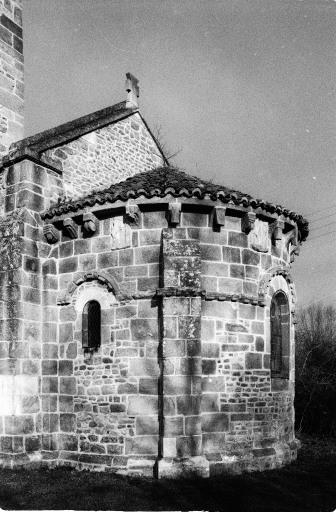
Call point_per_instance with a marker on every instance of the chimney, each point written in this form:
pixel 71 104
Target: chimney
pixel 11 79
pixel 132 88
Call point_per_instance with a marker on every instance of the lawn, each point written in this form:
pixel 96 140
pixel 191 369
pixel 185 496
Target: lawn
pixel 306 485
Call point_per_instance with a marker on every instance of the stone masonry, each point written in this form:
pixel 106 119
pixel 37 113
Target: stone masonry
pixel 146 316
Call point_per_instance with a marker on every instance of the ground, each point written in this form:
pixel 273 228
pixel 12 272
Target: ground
pixel 306 485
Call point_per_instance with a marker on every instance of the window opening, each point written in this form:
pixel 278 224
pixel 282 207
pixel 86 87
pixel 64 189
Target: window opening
pixel 280 334
pixel 91 322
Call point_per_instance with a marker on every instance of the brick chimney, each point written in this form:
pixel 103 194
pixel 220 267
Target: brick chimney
pixel 11 74
pixel 132 88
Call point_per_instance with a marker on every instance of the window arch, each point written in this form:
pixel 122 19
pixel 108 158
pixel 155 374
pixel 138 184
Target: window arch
pixel 91 325
pixel 280 336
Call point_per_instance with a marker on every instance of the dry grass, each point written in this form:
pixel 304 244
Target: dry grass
pixel 306 485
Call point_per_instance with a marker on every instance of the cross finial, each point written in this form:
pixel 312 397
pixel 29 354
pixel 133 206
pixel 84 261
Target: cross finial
pixel 132 88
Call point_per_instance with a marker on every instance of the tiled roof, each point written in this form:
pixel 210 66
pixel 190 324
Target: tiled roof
pixel 168 180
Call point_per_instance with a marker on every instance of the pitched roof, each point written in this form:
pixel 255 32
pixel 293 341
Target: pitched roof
pixel 169 180
pixel 34 146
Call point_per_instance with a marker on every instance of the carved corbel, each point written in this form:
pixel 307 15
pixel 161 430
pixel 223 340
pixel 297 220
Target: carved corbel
pixel 248 222
pixel 276 230
pixel 51 233
pixel 70 227
pixel 294 251
pixel 132 214
pixel 219 216
pixel 90 223
pixel 174 213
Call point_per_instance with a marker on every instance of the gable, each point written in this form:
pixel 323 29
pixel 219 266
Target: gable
pixel 105 156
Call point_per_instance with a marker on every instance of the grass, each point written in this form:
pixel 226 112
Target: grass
pixel 307 485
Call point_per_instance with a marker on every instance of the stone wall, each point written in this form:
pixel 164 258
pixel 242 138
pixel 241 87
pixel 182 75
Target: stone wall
pixel 180 373
pixel 11 74
pixel 106 156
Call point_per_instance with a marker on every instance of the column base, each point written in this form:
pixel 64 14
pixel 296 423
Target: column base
pixel 183 468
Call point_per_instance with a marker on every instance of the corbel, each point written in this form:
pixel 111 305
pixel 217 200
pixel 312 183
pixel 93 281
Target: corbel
pixel 174 213
pixel 277 231
pixel 294 251
pixel 132 214
pixel 51 233
pixel 90 223
pixel 70 227
pixel 219 216
pixel 248 221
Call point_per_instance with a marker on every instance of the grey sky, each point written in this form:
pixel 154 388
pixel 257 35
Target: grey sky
pixel 245 88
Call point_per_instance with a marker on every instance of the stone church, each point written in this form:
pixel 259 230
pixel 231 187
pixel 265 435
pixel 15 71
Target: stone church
pixel 146 315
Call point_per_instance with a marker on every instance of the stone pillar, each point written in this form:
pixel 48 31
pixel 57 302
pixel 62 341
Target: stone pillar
pixel 11 77
pixel 180 354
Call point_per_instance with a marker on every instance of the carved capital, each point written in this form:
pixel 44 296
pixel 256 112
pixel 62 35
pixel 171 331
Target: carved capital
pixel 248 222
pixel 174 213
pixel 219 215
pixel 90 223
pixel 70 227
pixel 51 233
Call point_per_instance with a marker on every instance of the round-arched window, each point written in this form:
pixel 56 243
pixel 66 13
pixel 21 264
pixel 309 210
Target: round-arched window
pixel 280 336
pixel 91 325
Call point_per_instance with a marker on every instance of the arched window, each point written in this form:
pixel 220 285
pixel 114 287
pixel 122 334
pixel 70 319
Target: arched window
pixel 91 321
pixel 280 335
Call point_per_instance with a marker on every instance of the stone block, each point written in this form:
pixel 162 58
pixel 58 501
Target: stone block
pixel 49 367
pixel 144 367
pixel 18 425
pixel 188 405
pixel 210 402
pixel 147 254
pixel 243 416
pixel 126 257
pixel 177 385
pixel 213 442
pixel 174 306
pixel 66 403
pixel 136 271
pixel 237 271
pixel 245 338
pixel 174 348
pixel 143 329
pixel 88 261
pixel 250 288
pixel 68 265
pixel 215 269
pixel 237 239
pixel 259 344
pixel 231 255
pixel 188 446
pixel 67 422
pixel 195 219
pixel 253 361
pixel 49 385
pixel 225 310
pixel 154 219
pixel 147 386
pixel 209 366
pixel 150 236
pixel 66 333
pixel 210 350
pixel 213 384
pixel 189 327
pixel 82 246
pixel 148 283
pixel 211 252
pixel 49 403
pixel 50 422
pixel 173 426
pixel 193 426
pixel 31 264
pixel 215 422
pixel 68 385
pixel 66 249
pixel 193 348
pixel 32 443
pixel 191 366
pixel 142 405
pixel 31 367
pixel 257 327
pixel 147 425
pixel 101 244
pixel 68 442
pixel 108 259
pixel 30 404
pixel 247 311
pixel 142 445
pixel 49 267
pixel 267 361
pixel 65 367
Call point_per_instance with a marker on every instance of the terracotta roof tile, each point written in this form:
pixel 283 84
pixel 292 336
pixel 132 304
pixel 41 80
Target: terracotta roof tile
pixel 168 180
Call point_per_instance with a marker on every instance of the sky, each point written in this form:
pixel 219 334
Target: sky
pixel 244 91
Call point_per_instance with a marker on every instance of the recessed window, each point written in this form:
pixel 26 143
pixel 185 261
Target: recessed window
pixel 91 325
pixel 280 335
